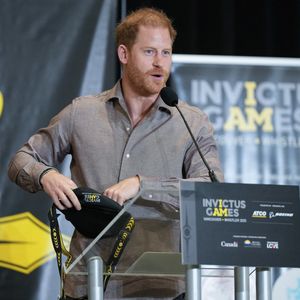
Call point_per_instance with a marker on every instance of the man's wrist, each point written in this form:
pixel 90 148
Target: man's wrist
pixel 44 173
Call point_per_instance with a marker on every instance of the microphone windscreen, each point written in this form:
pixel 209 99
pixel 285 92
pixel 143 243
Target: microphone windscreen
pixel 169 96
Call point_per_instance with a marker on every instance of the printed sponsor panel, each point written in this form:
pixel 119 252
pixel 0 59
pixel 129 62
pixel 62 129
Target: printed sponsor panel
pixel 244 224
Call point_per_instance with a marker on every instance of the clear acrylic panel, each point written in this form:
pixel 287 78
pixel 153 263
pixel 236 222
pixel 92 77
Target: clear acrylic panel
pixel 150 264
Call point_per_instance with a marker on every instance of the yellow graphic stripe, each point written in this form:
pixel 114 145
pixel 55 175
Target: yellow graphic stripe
pixel 1 103
pixel 25 242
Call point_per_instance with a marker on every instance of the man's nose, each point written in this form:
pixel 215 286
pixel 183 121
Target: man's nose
pixel 157 61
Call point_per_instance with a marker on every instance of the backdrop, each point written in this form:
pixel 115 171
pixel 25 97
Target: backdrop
pixel 50 52
pixel 53 51
pixel 254 105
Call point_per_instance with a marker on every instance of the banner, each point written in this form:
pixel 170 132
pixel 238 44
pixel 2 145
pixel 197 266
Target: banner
pixel 254 106
pixel 51 52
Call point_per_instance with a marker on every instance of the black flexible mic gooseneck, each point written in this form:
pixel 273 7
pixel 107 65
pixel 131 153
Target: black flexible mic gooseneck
pixel 171 99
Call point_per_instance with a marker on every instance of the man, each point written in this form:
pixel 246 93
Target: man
pixel 121 141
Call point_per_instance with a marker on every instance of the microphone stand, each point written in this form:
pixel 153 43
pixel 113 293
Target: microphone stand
pixel 211 172
pixel 193 272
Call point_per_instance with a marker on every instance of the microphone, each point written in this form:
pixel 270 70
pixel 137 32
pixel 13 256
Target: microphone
pixel 171 99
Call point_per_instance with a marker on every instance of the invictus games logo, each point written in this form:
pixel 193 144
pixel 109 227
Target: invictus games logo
pixel 91 197
pixel 253 105
pixel 223 207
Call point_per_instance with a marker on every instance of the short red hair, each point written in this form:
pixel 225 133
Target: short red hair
pixel 127 30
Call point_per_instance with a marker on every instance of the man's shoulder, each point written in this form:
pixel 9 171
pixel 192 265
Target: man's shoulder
pixel 190 109
pixel 193 114
pixel 92 100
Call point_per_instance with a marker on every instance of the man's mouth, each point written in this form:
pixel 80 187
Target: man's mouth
pixel 157 76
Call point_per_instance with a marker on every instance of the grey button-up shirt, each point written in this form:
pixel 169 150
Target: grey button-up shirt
pixel 105 148
pixel 97 132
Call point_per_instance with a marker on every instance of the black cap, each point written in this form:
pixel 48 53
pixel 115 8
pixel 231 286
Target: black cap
pixel 96 212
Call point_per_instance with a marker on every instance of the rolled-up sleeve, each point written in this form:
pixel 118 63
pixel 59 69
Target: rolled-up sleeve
pixel 45 149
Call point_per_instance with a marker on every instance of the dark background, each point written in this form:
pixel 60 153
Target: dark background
pixel 232 27
pixel 45 48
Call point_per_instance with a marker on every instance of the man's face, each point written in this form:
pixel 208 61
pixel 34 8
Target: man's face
pixel 149 60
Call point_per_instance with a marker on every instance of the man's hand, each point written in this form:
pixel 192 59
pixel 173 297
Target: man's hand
pixel 123 190
pixel 60 189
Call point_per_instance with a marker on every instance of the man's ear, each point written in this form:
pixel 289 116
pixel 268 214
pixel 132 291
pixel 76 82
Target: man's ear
pixel 123 54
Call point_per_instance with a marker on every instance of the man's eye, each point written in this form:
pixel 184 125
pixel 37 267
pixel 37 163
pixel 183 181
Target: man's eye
pixel 166 53
pixel 149 51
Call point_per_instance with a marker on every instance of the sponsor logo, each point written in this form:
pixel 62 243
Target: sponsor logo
pixel 259 214
pixel 229 245
pixel 252 244
pixel 280 214
pixel 272 245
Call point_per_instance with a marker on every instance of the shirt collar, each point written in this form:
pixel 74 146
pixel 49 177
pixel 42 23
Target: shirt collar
pixel 116 94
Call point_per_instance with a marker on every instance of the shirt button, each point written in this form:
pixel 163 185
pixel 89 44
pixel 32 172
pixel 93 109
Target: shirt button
pixel 127 155
pixel 128 128
pixel 150 196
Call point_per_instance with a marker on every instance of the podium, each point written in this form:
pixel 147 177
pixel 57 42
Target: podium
pixel 221 227
pixel 241 225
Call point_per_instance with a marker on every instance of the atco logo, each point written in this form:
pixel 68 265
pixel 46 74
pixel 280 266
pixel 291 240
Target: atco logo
pixel 280 214
pixel 259 214
pixel 272 245
pixel 229 245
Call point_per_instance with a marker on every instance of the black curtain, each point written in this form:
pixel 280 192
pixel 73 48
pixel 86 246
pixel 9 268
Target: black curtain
pixel 232 27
